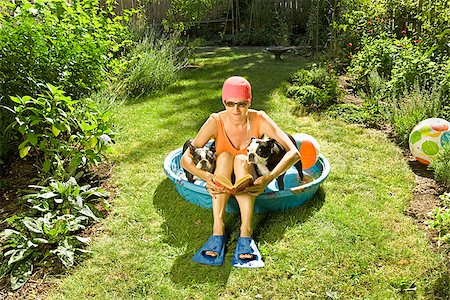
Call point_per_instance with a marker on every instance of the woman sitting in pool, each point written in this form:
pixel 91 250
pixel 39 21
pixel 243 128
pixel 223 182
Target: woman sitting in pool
pixel 232 130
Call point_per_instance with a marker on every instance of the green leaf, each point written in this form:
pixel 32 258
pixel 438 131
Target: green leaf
pixel 86 211
pixel 47 195
pixel 87 127
pixel 16 99
pixel 17 255
pixel 32 138
pixel 4 268
pixel 23 144
pixel 55 130
pixel 20 274
pixel 24 151
pixel 46 166
pixel 52 88
pixel 32 225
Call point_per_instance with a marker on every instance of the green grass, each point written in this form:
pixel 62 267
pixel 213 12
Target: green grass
pixel 351 241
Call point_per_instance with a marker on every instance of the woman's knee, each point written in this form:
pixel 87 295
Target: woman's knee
pixel 224 164
pixel 241 165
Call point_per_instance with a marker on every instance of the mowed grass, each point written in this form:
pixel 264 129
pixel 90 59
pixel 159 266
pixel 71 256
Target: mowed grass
pixel 351 241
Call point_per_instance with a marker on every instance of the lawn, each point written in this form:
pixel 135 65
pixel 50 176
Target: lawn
pixel 352 240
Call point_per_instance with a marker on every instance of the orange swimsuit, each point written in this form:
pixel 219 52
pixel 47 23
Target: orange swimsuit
pixel 223 143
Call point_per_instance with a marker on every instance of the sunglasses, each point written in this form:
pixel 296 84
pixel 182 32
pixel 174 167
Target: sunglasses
pixel 242 104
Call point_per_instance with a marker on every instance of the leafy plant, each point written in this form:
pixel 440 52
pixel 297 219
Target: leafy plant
pixel 441 166
pixel 440 221
pixel 65 136
pixel 350 113
pixel 49 230
pixel 316 88
pixel 309 96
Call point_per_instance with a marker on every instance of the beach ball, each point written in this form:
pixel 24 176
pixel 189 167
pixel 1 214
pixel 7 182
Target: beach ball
pixel 309 149
pixel 428 138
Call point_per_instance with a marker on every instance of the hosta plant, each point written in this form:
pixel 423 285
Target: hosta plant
pixel 50 231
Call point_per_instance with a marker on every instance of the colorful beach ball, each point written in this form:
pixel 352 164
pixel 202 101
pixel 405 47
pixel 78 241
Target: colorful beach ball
pixel 428 138
pixel 309 149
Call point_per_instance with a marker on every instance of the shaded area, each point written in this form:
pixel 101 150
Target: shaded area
pixel 189 226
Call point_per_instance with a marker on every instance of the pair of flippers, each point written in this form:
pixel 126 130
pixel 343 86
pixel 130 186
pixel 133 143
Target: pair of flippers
pixel 216 243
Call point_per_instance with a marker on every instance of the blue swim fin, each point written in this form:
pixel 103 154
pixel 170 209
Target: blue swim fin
pixel 215 243
pixel 246 245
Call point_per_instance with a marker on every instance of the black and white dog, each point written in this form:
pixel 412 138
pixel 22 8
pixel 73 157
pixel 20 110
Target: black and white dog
pixel 204 158
pixel 265 154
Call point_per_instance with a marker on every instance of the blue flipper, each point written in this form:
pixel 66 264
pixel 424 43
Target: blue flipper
pixel 215 243
pixel 246 245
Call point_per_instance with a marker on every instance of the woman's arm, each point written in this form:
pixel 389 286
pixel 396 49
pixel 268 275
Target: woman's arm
pixel 271 129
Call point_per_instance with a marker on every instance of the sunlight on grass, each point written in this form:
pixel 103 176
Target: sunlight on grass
pixel 352 240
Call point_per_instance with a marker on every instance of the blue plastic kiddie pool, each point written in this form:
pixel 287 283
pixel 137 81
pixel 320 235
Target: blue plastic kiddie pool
pixel 272 199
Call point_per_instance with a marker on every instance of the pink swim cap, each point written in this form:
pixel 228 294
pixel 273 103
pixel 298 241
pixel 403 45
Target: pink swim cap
pixel 237 87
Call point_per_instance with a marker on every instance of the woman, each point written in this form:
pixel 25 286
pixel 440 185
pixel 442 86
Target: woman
pixel 232 130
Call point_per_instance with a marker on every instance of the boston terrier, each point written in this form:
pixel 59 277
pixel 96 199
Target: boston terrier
pixel 204 158
pixel 265 154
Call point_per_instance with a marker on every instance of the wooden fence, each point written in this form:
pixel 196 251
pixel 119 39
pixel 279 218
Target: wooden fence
pixel 157 9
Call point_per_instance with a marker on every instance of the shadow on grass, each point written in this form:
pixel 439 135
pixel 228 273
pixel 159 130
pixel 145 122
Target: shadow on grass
pixel 189 226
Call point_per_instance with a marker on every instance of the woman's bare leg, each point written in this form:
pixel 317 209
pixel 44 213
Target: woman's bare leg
pixel 224 167
pixel 246 202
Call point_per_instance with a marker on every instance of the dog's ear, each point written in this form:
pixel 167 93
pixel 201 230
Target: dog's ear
pixel 272 143
pixel 213 147
pixel 192 148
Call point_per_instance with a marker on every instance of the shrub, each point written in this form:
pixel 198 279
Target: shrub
pixel 351 113
pixel 70 45
pixel 309 96
pixel 315 89
pixel 440 220
pixel 65 136
pixel 50 230
pixel 441 166
pixel 318 77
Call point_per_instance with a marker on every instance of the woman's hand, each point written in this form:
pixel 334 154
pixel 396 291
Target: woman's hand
pixel 259 185
pixel 212 188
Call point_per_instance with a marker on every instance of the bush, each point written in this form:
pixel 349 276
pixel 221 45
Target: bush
pixel 67 45
pixel 315 89
pixel 350 113
pixel 441 166
pixel 64 136
pixel 63 44
pixel 309 96
pixel 50 230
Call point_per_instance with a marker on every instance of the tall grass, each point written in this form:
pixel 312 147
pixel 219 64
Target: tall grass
pixel 410 108
pixel 152 65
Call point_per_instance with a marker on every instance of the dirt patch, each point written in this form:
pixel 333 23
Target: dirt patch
pixel 349 96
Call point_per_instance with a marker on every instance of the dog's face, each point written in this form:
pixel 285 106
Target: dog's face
pixel 259 151
pixel 204 158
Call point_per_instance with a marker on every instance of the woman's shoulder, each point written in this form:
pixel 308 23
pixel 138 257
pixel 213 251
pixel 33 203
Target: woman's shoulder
pixel 256 113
